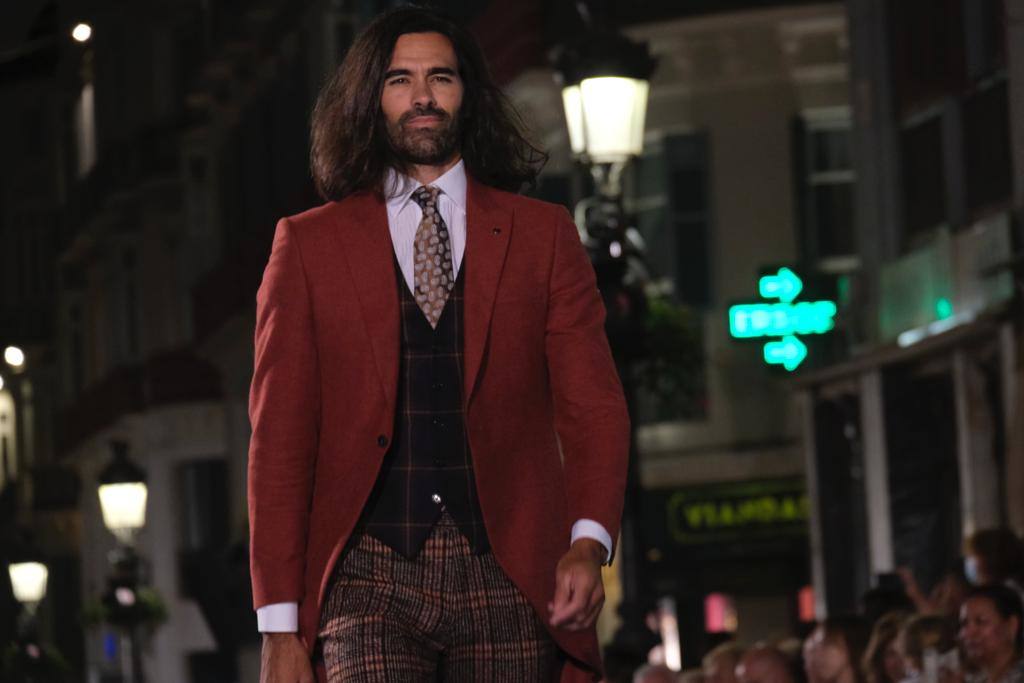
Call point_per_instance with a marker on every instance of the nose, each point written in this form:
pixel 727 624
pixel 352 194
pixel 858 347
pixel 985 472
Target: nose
pixel 422 95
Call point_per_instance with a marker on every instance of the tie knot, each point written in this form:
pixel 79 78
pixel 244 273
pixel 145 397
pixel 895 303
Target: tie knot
pixel 425 196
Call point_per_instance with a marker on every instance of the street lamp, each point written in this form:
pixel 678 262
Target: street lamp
pixel 122 492
pixel 605 82
pixel 82 32
pixel 14 356
pixel 28 579
pixel 28 574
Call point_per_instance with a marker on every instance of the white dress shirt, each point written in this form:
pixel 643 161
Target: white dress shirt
pixel 404 216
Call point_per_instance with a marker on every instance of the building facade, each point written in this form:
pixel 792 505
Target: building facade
pixel 914 439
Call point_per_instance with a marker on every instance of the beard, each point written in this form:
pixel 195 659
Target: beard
pixel 424 146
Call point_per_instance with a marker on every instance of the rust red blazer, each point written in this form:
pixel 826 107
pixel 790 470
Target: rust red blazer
pixel 545 415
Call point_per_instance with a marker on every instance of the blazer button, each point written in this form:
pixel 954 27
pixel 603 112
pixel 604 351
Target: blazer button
pixel 382 441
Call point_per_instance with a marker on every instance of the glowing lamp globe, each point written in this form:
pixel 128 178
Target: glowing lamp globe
pixel 605 84
pixel 123 494
pixel 28 579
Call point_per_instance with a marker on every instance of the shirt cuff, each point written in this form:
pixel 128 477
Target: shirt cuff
pixel 588 528
pixel 280 617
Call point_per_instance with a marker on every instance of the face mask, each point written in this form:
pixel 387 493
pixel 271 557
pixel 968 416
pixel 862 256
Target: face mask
pixel 971 570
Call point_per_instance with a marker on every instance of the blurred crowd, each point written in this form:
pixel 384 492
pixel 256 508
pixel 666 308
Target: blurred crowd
pixel 966 629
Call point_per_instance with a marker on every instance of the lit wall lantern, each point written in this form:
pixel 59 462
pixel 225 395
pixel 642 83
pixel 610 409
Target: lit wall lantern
pixel 123 493
pixel 28 579
pixel 605 84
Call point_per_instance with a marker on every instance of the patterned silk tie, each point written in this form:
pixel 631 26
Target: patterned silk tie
pixel 432 257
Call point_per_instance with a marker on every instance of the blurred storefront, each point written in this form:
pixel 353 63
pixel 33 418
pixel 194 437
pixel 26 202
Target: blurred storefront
pixel 914 438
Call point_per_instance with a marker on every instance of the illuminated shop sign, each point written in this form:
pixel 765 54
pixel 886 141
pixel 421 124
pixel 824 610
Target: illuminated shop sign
pixel 787 319
pixel 737 510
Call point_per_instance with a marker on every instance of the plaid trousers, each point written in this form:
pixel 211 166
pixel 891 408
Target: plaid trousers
pixel 445 615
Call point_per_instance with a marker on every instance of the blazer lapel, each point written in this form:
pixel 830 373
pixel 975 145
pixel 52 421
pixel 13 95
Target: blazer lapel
pixel 488 229
pixel 371 260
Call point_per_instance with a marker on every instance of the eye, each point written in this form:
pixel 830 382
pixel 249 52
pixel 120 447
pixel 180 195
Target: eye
pixel 398 80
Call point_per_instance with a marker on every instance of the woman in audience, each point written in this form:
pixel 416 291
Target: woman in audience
pixel 835 649
pixel 882 661
pixel 990 633
pixel 919 635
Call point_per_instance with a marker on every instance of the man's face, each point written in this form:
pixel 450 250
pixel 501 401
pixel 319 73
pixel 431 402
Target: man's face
pixel 985 634
pixel 761 665
pixel 421 99
pixel 721 669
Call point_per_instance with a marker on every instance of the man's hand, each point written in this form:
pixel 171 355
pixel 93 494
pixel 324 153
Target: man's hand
pixel 284 660
pixel 579 593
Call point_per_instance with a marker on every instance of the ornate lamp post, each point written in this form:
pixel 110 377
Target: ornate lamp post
pixel 604 77
pixel 123 495
pixel 28 578
pixel 122 492
pixel 27 658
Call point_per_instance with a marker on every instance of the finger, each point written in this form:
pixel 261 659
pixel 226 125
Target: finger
pixel 588 615
pixel 563 592
pixel 593 608
pixel 577 603
pixel 594 612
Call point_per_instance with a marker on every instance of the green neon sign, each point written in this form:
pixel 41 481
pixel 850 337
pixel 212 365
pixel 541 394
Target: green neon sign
pixel 784 319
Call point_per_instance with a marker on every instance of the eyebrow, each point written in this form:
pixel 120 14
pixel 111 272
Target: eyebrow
pixel 448 71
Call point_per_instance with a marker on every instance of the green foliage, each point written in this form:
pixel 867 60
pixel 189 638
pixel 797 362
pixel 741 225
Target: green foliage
pixel 671 369
pixel 147 612
pixel 29 662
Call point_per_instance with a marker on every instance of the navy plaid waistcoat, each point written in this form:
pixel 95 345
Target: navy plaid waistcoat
pixel 428 466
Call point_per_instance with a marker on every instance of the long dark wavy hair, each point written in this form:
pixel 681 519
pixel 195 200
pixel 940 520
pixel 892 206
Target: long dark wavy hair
pixel 349 144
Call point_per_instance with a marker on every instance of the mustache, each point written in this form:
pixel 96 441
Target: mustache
pixel 424 111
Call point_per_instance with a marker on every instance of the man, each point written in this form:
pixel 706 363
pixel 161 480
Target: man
pixel 764 664
pixel 720 663
pixel 439 438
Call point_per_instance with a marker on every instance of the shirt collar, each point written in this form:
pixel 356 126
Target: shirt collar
pixel 399 188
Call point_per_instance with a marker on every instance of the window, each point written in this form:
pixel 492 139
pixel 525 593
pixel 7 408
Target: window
pixel 826 169
pixel 924 176
pixel 689 215
pixel 985 28
pixel 927 39
pixel 203 500
pixel 988 167
pixel 668 190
